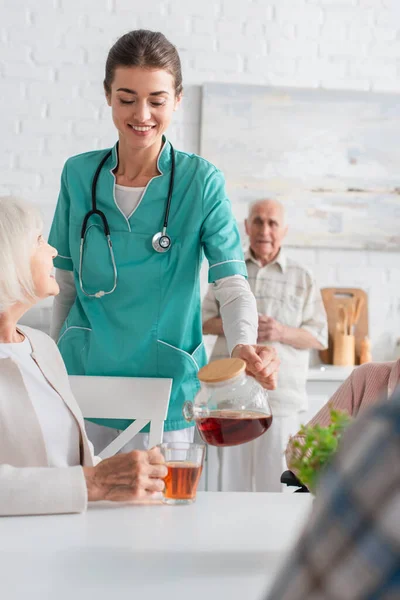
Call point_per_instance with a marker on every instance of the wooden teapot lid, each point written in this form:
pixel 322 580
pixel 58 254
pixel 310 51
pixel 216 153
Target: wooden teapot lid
pixel 221 370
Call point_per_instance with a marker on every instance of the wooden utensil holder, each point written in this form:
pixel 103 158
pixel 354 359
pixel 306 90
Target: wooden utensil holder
pixel 344 350
pixel 333 298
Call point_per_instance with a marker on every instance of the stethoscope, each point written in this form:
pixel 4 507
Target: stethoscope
pixel 161 241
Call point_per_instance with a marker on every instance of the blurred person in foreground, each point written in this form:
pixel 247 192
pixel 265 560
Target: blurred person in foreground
pixel 47 463
pixel 350 548
pixel 292 318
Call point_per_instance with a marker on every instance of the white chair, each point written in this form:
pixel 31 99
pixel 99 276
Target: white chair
pixel 144 399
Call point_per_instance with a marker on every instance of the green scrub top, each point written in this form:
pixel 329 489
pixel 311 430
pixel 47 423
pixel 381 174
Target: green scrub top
pixel 150 326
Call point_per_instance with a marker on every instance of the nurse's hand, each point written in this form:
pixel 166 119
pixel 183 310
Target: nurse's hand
pixel 262 362
pixel 124 477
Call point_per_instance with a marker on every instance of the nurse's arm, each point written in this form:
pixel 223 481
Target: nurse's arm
pixel 62 303
pixel 240 324
pixel 238 310
pixel 210 315
pixel 221 243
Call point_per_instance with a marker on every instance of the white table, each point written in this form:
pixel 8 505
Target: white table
pixel 224 546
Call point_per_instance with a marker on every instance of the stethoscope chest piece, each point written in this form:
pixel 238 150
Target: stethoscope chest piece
pixel 161 242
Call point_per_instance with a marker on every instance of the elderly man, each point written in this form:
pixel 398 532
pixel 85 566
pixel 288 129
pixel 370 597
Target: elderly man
pixel 293 319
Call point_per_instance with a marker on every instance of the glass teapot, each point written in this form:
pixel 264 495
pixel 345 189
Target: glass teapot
pixel 231 408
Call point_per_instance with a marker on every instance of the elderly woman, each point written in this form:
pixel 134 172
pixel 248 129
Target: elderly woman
pixel 46 461
pixel 366 385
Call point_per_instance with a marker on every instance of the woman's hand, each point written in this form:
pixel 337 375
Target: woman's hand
pixel 262 362
pixel 123 477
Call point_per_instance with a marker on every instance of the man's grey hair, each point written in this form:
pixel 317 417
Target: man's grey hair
pixel 271 199
pixel 20 225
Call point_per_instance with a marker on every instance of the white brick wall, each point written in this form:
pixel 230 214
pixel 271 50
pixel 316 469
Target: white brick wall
pixel 52 57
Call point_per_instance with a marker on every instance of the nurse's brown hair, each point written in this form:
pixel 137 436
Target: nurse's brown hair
pixel 143 48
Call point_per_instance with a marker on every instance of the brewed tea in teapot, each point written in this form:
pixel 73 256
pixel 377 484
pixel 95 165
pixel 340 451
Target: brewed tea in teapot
pixel 231 408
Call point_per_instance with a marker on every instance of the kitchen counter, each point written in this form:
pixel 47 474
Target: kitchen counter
pixel 322 383
pixel 328 373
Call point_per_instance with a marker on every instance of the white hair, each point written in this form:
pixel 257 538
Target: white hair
pixel 20 224
pixel 271 199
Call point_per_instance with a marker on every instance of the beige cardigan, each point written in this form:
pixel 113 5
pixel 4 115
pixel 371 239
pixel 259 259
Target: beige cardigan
pixel 27 484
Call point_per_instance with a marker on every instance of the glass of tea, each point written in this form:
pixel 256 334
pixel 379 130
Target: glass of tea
pixel 184 462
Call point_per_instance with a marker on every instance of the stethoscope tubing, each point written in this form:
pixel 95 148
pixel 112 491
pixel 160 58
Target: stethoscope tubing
pixel 95 211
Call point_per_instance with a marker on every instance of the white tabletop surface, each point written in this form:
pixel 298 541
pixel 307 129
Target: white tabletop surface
pixel 226 546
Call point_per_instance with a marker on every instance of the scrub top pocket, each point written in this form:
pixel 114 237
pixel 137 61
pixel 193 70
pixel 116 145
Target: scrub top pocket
pixel 182 367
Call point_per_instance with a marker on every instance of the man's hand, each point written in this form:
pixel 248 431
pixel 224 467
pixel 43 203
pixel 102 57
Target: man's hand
pixel 262 363
pixel 124 477
pixel 269 330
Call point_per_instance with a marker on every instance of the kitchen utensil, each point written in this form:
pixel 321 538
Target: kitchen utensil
pixel 365 354
pixel 344 350
pixel 335 297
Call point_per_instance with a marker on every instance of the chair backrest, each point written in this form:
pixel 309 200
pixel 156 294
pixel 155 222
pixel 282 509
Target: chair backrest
pixel 144 399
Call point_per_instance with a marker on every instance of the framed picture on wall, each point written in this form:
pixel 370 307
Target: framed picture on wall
pixel 331 157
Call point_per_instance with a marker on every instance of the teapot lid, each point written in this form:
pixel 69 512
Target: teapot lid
pixel 221 370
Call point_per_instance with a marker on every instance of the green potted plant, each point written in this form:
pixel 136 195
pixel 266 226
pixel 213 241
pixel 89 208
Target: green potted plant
pixel 314 447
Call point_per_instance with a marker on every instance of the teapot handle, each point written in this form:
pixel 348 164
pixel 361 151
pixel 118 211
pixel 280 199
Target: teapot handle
pixel 188 411
pixel 197 409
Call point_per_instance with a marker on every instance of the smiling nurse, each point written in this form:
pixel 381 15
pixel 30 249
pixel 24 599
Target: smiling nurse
pixel 129 303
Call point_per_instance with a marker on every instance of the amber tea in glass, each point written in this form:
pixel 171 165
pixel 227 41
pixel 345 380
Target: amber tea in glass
pixel 184 462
